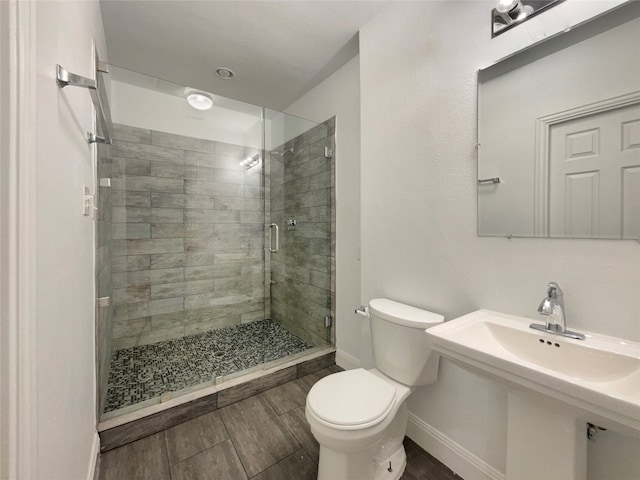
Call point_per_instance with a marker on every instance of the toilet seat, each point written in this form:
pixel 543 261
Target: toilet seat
pixel 351 400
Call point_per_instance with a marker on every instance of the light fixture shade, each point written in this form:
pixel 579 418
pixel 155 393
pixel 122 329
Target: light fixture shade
pixel 504 6
pixel 509 13
pixel 200 101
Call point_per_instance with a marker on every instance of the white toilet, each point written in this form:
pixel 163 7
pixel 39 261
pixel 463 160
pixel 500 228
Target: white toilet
pixel 359 416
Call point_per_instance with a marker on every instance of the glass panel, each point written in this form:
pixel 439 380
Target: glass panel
pixel 196 298
pixel 300 205
pixel 103 267
pixel 186 236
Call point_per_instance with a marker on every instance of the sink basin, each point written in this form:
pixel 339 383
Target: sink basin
pixel 599 375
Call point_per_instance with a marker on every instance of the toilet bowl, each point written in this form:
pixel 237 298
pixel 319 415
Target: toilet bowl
pixel 359 419
pixel 359 416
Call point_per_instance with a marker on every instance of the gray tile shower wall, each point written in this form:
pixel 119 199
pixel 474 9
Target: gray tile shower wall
pixel 187 236
pixel 104 283
pixel 303 272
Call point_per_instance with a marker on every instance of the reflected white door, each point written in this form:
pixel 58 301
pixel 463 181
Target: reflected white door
pixel 594 175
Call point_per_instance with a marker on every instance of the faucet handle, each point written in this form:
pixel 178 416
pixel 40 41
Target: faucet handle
pixel 554 290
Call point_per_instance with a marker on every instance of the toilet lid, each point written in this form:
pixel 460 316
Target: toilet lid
pixel 351 398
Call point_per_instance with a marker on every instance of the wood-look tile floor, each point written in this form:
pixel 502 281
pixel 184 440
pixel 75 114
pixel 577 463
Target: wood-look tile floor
pixel 264 437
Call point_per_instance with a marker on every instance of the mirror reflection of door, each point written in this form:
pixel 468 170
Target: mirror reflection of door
pixel 563 84
pixel 594 175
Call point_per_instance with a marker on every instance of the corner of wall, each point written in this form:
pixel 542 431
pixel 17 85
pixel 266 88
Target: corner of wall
pixel 346 360
pixel 93 470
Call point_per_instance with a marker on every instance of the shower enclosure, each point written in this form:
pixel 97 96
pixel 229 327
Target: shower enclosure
pixel 215 242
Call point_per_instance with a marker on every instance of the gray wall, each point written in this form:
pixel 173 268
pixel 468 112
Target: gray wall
pixel 303 272
pixel 187 230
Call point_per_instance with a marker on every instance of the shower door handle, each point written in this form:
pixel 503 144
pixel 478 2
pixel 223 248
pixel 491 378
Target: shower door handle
pixel 273 249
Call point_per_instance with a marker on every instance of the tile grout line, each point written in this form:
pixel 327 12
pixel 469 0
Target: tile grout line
pixel 166 453
pixel 297 440
pixel 286 429
pixel 190 456
pixel 278 418
pixel 235 450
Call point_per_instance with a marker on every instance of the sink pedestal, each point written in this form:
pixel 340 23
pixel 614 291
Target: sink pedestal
pixel 545 439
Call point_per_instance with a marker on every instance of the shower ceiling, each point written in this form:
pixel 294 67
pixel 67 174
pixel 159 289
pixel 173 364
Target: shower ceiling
pixel 278 50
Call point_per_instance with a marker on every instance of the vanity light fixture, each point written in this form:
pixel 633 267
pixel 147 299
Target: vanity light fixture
pixel 200 100
pixel 514 9
pixel 509 13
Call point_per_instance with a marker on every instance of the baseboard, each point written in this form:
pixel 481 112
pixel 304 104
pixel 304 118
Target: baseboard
pixel 346 360
pixel 452 454
pixel 92 472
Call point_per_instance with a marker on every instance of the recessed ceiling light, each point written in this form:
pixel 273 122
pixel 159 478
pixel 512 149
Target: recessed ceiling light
pixel 200 101
pixel 224 73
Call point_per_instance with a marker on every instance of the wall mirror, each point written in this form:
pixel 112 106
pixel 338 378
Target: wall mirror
pixel 559 135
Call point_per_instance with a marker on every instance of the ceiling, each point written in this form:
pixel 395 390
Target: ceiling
pixel 278 50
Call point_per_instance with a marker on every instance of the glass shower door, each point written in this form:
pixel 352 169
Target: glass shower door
pixel 185 236
pixel 215 241
pixel 300 220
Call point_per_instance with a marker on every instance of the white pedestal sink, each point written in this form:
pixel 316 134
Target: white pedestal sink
pixel 555 386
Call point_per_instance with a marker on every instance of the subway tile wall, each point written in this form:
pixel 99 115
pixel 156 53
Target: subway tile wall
pixel 302 188
pixel 187 229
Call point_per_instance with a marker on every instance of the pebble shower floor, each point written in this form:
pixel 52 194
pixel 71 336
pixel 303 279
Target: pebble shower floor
pixel 147 371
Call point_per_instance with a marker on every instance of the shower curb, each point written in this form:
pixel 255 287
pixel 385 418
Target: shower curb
pixel 136 429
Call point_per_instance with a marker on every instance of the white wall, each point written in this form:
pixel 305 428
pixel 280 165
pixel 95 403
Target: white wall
pixel 339 96
pixel 418 64
pixel 153 110
pixel 67 438
pixel 281 127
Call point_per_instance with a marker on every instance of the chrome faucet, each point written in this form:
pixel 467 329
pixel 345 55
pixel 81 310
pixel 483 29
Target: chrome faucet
pixel 552 307
pixel 549 305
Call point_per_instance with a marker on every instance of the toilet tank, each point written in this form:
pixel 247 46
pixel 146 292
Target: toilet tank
pixel 400 348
